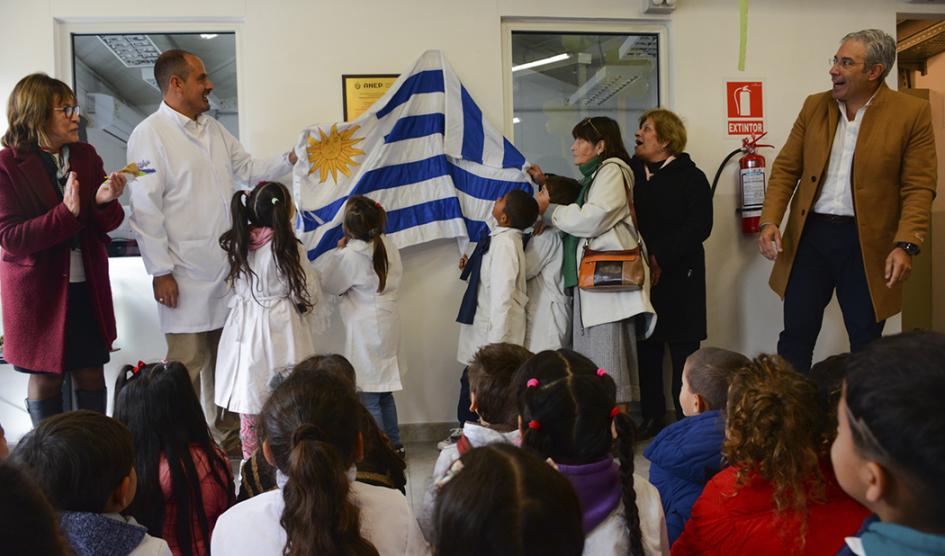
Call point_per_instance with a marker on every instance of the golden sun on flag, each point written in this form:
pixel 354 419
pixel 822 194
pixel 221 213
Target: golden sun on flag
pixel 333 152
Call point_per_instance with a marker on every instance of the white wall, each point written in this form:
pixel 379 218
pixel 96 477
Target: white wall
pixel 291 55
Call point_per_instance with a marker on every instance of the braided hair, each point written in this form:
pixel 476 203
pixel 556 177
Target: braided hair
pixel 567 405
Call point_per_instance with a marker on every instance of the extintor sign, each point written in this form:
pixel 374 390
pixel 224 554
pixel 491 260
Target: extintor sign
pixel 744 102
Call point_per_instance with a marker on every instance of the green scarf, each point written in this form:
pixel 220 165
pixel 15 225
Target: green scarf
pixel 569 264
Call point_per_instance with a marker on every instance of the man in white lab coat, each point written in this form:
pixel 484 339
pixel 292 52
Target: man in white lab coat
pixel 180 211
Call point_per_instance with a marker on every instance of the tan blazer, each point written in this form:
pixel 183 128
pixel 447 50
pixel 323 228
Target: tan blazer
pixel 894 177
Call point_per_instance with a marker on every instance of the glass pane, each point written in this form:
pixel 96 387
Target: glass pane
pixel 114 84
pixel 558 79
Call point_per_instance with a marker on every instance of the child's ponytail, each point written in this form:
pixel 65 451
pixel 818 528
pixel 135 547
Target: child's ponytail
pixel 310 426
pixel 365 219
pixel 626 436
pixel 380 262
pixel 319 518
pixel 235 241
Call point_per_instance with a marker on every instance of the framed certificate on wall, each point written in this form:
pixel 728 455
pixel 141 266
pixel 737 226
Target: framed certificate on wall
pixel 359 92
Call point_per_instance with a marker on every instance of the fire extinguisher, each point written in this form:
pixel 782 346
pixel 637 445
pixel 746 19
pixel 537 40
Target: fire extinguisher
pixel 751 181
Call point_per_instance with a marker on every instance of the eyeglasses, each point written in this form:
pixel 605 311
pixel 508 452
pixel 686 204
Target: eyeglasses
pixel 590 122
pixel 69 111
pixel 845 63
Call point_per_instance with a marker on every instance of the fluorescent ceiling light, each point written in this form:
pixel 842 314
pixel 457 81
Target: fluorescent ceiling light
pixel 208 36
pixel 134 51
pixel 541 62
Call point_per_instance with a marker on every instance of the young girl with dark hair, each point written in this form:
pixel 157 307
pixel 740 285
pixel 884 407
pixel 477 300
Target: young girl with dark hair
pixel 184 480
pixel 366 271
pixel 380 466
pixel 309 431
pixel 569 414
pixel 500 499
pixel 779 494
pixel 272 322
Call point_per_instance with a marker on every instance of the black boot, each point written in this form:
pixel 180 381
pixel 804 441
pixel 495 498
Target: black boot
pixel 96 400
pixel 40 409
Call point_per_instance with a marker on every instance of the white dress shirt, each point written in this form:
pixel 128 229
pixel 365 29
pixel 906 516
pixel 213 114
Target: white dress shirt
pixel 836 195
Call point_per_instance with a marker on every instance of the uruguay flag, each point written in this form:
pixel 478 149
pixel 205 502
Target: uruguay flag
pixel 423 151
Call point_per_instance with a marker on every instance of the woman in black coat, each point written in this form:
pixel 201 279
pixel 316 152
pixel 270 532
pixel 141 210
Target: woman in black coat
pixel 674 210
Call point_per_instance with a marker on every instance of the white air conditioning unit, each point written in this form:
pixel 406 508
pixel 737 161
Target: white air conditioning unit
pixel 112 116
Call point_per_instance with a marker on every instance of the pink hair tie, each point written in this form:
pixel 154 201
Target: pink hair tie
pixel 615 411
pixel 601 371
pixel 532 382
pixel 534 425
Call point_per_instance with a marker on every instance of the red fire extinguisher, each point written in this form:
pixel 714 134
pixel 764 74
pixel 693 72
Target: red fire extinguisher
pixel 751 181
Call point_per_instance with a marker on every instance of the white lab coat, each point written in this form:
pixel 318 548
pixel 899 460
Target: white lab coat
pixel 501 299
pixel 264 333
pixel 548 312
pixel 252 526
pixel 179 212
pixel 371 319
pixel 605 219
pixel 610 536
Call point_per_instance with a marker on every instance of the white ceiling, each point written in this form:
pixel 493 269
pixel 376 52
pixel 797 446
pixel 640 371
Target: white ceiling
pixel 218 55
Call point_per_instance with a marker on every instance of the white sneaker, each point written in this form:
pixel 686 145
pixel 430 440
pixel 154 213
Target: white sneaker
pixel 451 439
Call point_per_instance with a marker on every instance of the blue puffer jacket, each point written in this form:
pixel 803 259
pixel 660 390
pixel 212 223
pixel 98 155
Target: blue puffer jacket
pixel 683 457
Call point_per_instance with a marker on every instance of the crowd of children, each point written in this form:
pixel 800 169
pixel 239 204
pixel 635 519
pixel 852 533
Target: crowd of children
pixel 765 461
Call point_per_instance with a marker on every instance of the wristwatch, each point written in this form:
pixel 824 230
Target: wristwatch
pixel 910 248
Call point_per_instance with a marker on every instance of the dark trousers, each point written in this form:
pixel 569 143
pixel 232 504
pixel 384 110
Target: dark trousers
pixel 462 408
pixel 650 357
pixel 828 258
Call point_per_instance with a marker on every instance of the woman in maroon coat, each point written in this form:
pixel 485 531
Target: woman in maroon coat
pixel 55 212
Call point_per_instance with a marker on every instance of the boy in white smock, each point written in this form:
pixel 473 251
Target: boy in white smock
pixel 548 311
pixel 493 308
pixel 493 398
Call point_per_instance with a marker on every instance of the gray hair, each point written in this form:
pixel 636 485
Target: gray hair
pixel 880 48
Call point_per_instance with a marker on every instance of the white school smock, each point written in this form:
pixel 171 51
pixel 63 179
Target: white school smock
pixel 548 311
pixel 252 527
pixel 179 212
pixel 501 299
pixel 371 319
pixel 264 333
pixel 610 536
pixel 605 219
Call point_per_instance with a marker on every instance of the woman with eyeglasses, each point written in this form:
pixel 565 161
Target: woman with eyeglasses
pixel 605 324
pixel 56 207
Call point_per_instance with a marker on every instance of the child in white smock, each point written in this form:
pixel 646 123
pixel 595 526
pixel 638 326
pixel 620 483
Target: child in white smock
pixel 548 311
pixel 366 271
pixel 272 322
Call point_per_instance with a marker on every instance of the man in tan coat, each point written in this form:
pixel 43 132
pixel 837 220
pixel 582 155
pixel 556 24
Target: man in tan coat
pixel 860 165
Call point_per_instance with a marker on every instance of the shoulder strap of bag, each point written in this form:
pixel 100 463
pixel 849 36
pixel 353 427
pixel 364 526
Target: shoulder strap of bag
pixel 630 205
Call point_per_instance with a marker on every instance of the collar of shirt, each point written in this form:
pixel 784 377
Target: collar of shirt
pixel 503 229
pixel 843 107
pixel 182 120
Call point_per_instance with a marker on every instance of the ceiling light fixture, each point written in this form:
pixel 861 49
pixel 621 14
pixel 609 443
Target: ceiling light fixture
pixel 208 36
pixel 541 62
pixel 134 51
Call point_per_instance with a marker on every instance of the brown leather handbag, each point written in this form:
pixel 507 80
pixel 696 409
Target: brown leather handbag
pixel 614 271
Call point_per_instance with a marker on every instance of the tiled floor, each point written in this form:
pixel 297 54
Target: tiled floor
pixel 421 457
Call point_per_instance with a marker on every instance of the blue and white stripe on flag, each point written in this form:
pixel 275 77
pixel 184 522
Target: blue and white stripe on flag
pixel 423 151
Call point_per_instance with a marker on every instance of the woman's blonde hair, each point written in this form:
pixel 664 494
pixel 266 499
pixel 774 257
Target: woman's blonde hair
pixel 669 129
pixel 776 428
pixel 30 107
